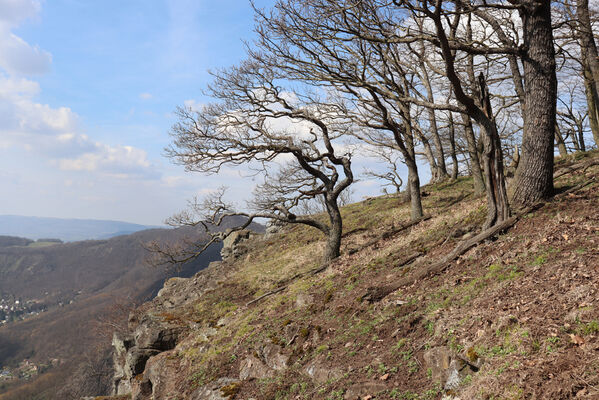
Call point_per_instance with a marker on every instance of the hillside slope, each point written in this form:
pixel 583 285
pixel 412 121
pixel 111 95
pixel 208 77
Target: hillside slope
pixel 514 317
pixel 68 294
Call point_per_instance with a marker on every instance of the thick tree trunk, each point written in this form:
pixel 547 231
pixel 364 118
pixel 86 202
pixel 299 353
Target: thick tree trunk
pixel 479 182
pixel 436 172
pixel 534 177
pixel 590 63
pixel 440 153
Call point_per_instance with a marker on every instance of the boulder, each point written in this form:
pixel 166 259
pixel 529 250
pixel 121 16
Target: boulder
pixel 320 372
pixel 215 391
pixel 233 244
pixel 136 359
pixel 448 368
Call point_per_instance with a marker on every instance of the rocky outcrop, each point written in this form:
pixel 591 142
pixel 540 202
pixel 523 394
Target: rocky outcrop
pixel 235 244
pixel 143 358
pixel 150 338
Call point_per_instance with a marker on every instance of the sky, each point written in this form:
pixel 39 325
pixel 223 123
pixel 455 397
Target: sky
pixel 87 94
pixel 87 91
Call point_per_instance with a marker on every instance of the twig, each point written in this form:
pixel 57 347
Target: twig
pixel 266 295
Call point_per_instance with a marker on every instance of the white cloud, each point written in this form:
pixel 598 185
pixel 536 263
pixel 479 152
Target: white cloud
pixel 193 105
pixel 118 161
pixel 17 57
pixel 146 96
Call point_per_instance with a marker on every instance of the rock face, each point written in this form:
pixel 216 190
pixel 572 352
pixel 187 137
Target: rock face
pixel 234 246
pixel 142 358
pixel 131 353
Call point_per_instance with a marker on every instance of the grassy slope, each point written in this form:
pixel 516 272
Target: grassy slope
pixel 526 303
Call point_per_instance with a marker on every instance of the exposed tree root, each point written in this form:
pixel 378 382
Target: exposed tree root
pixel 375 294
pixel 575 167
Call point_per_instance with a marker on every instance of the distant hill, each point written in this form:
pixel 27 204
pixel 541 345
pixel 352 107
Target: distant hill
pixel 69 230
pixel 83 290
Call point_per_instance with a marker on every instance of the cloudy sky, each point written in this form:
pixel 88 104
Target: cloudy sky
pixel 87 90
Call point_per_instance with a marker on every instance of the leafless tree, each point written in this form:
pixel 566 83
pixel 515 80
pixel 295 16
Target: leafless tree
pixel 288 135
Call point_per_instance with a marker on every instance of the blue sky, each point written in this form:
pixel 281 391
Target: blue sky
pixel 87 91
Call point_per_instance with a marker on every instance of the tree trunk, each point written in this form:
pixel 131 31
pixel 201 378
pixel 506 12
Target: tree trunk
pixel 590 64
pixel 414 189
pixel 454 156
pixel 559 142
pixel 498 209
pixel 589 52
pixel 440 153
pixel 436 172
pixel 534 177
pixel 593 104
pixel 333 245
pixel 479 182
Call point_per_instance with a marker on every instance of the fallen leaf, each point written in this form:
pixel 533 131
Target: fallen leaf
pixel 565 236
pixel 577 340
pixel 384 377
pixel 367 397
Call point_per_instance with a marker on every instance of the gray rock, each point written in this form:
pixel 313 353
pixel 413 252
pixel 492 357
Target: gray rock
pixel 153 334
pixel 136 359
pixel 304 300
pixel 437 360
pixel 320 373
pixel 212 391
pixel 233 244
pixel 448 368
pixel 252 367
pixel 361 390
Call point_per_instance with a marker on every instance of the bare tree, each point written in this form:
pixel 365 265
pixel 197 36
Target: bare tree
pixel 287 135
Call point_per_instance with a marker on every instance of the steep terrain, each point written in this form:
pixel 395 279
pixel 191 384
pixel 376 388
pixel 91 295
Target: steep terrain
pixel 513 317
pixel 60 302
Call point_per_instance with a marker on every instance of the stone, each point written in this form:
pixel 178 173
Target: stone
pixel 437 360
pixel 321 373
pixel 158 380
pixel 274 357
pixel 448 368
pixel 359 391
pixel 213 391
pixel 233 244
pixel 252 367
pixel 136 359
pixel 152 334
pixel 304 300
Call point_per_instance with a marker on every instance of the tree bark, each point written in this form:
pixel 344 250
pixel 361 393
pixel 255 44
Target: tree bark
pixel 479 182
pixel 333 245
pixel 559 142
pixel 498 209
pixel 414 189
pixel 592 103
pixel 589 52
pixel 454 156
pixel 534 177
pixel 590 64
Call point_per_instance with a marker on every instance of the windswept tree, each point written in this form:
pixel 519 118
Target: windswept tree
pixel 292 137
